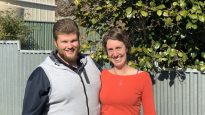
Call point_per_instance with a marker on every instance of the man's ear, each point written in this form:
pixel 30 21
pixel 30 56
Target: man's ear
pixel 55 43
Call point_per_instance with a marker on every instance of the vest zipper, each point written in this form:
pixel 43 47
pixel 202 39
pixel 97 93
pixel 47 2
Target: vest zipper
pixel 81 79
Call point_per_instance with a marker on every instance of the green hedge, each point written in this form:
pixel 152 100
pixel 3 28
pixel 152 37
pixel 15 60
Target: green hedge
pixel 165 34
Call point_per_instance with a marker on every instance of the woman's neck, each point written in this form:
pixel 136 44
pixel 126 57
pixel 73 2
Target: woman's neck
pixel 125 70
pixel 121 71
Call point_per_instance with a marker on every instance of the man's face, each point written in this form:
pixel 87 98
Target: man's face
pixel 68 47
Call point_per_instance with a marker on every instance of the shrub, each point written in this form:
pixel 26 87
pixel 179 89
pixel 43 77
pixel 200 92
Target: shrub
pixel 13 28
pixel 165 34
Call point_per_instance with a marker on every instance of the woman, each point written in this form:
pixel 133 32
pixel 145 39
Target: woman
pixel 124 88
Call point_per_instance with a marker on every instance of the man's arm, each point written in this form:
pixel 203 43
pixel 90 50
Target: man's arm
pixel 36 93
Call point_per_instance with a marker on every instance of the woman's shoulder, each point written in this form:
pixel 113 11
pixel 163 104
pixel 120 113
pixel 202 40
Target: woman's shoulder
pixel 104 71
pixel 144 75
pixel 138 71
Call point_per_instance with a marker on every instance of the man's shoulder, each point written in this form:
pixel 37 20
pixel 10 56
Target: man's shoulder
pixel 37 72
pixel 85 57
pixel 82 55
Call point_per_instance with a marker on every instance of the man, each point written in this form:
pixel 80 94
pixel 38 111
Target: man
pixel 67 82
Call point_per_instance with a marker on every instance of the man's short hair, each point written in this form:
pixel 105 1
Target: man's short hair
pixel 65 26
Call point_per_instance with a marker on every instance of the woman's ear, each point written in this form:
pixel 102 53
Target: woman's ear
pixel 127 51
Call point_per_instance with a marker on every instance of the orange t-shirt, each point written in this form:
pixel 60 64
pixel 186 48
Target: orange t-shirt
pixel 122 95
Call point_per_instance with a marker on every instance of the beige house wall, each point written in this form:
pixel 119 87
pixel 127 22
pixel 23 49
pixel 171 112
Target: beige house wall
pixel 34 10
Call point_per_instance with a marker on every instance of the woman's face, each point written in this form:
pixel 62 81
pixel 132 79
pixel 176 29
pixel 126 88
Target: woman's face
pixel 117 53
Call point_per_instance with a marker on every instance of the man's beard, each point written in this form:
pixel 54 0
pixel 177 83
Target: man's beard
pixel 70 60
